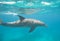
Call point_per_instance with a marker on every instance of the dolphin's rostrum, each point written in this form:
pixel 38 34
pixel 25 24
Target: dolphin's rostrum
pixel 32 23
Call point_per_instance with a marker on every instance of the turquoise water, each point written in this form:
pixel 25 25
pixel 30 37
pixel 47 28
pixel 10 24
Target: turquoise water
pixel 50 15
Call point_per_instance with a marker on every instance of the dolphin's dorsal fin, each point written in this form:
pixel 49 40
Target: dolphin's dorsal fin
pixel 32 28
pixel 21 18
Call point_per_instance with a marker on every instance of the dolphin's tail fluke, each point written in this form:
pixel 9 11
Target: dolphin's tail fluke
pixel 0 21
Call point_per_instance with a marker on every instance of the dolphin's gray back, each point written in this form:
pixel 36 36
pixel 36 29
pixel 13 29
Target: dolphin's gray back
pixel 33 22
pixel 29 22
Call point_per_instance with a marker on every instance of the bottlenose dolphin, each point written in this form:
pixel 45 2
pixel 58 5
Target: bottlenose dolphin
pixel 32 23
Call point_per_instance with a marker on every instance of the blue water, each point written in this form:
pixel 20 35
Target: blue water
pixel 51 16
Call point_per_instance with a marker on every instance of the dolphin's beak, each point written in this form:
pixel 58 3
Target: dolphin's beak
pixel 45 25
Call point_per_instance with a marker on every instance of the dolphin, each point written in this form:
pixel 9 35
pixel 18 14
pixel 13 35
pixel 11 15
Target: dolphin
pixel 32 23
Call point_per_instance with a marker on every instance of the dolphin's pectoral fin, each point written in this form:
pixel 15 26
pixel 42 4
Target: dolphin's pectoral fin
pixel 32 28
pixel 21 18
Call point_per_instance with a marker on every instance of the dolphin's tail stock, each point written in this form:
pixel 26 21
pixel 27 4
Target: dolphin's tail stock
pixel 0 21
